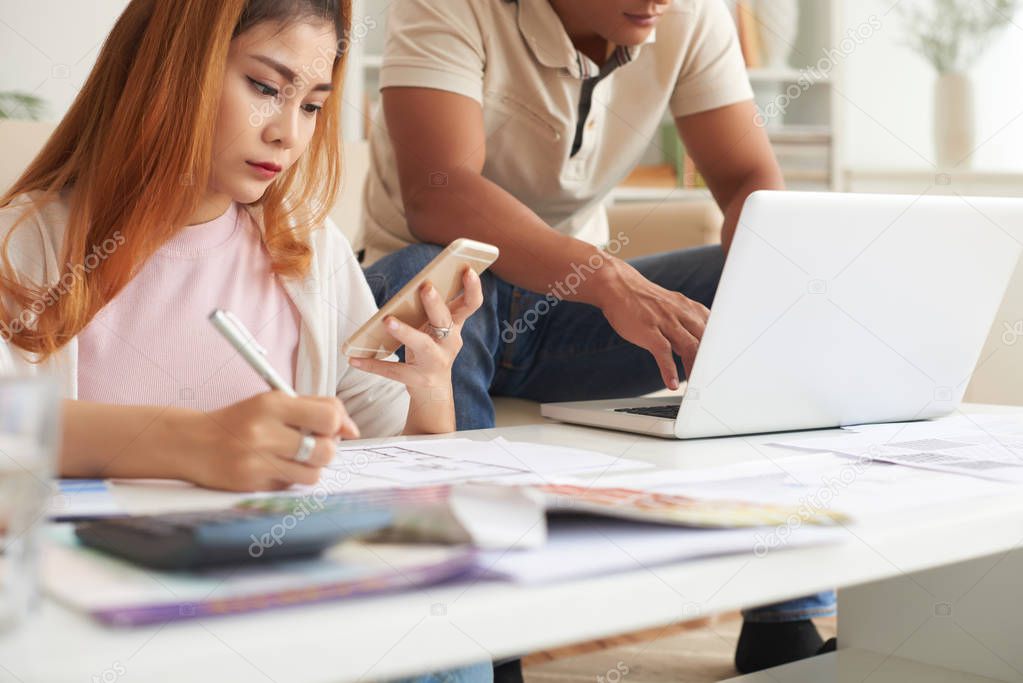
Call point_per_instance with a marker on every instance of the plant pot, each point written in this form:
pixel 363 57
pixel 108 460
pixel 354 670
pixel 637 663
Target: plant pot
pixel 779 26
pixel 954 121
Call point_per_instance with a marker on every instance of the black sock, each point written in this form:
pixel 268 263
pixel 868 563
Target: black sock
pixel 763 645
pixel 508 672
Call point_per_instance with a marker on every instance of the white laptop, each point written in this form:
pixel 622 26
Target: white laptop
pixel 837 309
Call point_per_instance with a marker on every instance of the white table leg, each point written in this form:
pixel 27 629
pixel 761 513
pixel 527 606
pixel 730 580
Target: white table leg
pixel 967 617
pixel 961 623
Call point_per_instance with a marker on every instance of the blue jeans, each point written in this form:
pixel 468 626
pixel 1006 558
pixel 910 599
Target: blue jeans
pixel 535 346
pixel 477 673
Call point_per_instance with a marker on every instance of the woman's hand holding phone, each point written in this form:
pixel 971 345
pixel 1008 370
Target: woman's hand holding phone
pixel 430 352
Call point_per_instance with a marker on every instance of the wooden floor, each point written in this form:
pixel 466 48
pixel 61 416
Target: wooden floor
pixel 698 652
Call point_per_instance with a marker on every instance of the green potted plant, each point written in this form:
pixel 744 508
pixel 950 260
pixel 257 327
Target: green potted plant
pixel 20 105
pixel 952 35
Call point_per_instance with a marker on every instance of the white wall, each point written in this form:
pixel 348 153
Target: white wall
pixel 889 109
pixel 48 46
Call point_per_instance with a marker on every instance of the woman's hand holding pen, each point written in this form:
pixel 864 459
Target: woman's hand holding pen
pixel 252 445
pixel 270 441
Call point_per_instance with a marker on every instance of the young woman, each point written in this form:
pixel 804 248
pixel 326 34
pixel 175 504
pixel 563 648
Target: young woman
pixel 195 171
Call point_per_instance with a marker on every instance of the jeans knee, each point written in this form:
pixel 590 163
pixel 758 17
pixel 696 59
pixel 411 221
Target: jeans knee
pixel 705 267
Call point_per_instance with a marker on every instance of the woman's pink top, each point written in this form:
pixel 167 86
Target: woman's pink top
pixel 153 344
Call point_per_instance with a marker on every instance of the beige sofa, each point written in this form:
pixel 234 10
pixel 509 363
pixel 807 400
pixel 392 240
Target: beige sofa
pixel 650 227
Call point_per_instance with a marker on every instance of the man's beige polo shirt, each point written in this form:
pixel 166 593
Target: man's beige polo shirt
pixel 516 60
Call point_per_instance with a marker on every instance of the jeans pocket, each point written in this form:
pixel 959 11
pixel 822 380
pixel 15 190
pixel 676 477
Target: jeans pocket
pixel 520 332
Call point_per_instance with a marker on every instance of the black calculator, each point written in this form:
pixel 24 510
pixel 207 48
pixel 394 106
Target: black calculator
pixel 270 529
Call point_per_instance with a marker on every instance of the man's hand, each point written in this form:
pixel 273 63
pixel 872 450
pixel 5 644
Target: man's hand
pixel 651 317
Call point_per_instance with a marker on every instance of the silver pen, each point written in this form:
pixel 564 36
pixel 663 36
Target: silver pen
pixel 235 332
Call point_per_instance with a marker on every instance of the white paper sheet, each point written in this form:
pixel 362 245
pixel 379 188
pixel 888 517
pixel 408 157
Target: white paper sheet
pixel 1006 424
pixel 861 489
pixel 581 547
pixel 448 461
pixel 989 447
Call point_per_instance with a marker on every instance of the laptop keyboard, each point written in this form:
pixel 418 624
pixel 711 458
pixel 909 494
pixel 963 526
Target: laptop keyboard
pixel 667 412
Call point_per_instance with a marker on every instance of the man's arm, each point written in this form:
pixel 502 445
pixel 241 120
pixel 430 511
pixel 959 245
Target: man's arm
pixel 440 144
pixel 734 155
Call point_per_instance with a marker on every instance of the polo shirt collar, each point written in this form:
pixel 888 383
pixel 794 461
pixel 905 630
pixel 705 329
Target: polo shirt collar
pixel 543 31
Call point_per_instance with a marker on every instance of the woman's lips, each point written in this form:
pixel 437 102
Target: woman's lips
pixel 265 170
pixel 643 20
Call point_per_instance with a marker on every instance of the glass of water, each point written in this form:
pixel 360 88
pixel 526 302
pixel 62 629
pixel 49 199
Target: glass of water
pixel 29 438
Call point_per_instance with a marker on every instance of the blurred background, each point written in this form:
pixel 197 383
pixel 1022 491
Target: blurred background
pixel 858 94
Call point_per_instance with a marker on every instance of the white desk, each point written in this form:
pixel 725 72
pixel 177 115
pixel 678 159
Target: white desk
pixel 940 586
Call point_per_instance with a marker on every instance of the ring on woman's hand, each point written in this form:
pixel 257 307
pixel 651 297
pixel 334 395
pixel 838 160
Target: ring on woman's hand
pixel 305 449
pixel 439 332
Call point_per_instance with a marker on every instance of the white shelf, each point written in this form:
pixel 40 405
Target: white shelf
pixel 895 175
pixel 621 195
pixel 796 134
pixel 968 182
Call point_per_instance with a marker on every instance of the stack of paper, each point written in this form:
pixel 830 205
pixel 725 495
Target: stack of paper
pixel 492 516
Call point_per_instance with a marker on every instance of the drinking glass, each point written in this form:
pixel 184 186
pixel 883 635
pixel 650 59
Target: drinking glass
pixel 29 438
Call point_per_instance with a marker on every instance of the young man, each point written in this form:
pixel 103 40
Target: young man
pixel 510 122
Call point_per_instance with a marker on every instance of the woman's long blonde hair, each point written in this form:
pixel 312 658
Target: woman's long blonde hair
pixel 136 150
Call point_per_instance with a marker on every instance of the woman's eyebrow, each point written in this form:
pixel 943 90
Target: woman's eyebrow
pixel 288 74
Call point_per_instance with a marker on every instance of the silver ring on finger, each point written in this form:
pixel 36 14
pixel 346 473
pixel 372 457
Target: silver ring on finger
pixel 439 332
pixel 305 449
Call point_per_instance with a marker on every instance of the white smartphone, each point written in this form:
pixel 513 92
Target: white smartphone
pixel 445 273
